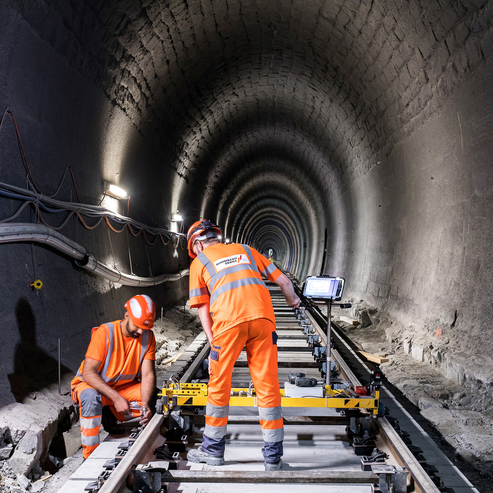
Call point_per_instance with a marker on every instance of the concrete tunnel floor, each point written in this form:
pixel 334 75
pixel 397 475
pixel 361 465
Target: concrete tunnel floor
pixel 459 418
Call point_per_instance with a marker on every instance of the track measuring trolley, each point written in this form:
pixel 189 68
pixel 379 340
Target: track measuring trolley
pixel 299 391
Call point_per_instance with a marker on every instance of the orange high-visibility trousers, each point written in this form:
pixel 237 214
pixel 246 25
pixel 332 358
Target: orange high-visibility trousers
pixel 260 339
pixel 91 404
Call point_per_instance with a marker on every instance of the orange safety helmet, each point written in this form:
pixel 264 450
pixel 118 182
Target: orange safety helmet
pixel 141 310
pixel 201 230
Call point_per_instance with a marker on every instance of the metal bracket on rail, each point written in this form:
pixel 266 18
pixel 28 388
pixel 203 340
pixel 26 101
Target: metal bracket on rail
pixel 149 478
pixel 392 479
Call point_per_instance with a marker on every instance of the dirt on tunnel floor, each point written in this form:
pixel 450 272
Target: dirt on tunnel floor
pixel 461 414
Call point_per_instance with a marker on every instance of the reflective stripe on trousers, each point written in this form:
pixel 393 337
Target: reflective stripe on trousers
pixel 271 423
pixel 216 420
pixel 259 338
pixel 91 410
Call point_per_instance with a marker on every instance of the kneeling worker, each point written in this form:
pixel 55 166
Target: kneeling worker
pixel 118 371
pixel 235 310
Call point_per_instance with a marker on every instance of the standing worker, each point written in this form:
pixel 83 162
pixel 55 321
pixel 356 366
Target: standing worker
pixel 236 310
pixel 118 371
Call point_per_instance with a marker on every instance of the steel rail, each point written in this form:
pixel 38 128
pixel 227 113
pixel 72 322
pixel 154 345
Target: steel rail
pixel 132 457
pixel 195 363
pixel 422 482
pixel 143 441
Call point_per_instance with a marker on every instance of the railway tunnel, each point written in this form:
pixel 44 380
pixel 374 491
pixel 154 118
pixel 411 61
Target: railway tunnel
pixel 349 138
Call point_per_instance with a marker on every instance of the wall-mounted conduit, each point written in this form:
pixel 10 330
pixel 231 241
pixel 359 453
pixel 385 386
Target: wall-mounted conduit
pixel 48 204
pixel 37 233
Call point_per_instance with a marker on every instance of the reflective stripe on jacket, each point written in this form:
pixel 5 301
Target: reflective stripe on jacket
pixel 229 277
pixel 122 362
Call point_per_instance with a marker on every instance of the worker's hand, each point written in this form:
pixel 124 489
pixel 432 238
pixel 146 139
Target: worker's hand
pixel 122 405
pixel 296 302
pixel 146 417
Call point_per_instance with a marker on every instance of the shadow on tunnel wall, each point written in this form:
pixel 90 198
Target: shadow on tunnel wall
pixel 34 369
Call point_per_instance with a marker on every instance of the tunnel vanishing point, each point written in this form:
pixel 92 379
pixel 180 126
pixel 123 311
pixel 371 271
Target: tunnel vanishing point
pixel 351 138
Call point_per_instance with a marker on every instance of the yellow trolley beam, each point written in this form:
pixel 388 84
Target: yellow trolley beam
pixel 195 394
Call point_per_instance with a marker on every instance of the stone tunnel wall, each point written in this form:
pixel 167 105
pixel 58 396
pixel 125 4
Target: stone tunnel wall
pixel 421 238
pixel 65 120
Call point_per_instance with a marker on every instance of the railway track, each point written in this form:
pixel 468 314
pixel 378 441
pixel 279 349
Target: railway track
pixel 324 447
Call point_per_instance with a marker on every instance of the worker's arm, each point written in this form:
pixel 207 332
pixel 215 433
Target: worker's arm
pixel 206 320
pixel 147 386
pixel 288 290
pixel 91 377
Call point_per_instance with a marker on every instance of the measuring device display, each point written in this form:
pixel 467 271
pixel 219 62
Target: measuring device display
pixel 323 288
pixel 328 290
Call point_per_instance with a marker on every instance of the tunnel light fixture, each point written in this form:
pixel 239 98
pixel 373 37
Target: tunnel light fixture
pixel 176 218
pixel 114 191
pixel 227 240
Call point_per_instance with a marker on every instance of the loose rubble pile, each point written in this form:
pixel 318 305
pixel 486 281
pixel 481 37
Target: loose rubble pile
pixel 30 431
pixel 174 333
pixel 26 432
pixel 430 373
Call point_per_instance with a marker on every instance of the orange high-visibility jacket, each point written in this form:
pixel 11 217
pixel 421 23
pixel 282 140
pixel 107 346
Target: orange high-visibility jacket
pixel 121 357
pixel 229 277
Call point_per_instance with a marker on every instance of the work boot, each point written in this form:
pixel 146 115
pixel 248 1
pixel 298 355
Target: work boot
pixel 273 466
pixel 199 455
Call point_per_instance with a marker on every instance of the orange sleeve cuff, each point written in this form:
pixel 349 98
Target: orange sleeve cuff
pixel 199 300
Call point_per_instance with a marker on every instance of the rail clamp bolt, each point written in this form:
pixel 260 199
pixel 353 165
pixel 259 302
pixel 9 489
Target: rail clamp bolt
pixel 392 479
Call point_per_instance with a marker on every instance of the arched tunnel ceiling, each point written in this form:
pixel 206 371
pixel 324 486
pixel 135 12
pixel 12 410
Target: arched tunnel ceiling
pixel 266 106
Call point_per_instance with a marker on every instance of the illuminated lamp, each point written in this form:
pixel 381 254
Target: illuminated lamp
pixel 114 191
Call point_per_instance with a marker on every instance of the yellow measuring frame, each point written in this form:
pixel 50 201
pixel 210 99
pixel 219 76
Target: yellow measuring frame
pixel 195 394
